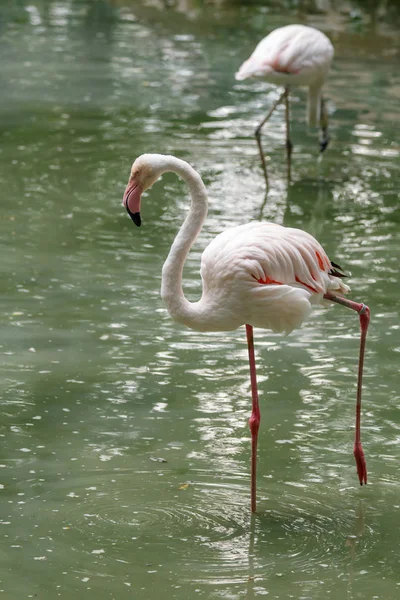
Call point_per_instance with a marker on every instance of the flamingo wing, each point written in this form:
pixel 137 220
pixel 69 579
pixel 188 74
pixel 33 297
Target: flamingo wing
pixel 266 275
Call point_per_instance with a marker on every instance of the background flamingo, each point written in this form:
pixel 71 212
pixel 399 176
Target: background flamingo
pixel 258 275
pixel 292 55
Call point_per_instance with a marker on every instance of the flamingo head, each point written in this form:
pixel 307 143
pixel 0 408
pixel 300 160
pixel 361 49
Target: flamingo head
pixel 145 171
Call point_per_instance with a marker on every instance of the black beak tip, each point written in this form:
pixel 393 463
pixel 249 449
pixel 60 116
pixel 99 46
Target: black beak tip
pixel 135 218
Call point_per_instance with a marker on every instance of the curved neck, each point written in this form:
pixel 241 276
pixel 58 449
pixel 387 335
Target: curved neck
pixel 180 309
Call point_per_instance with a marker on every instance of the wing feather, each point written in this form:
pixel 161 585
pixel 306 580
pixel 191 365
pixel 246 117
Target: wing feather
pixel 260 251
pixel 266 275
pixel 292 50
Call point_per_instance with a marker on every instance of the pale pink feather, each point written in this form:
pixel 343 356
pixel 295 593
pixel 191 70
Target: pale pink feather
pixel 266 275
pixel 295 54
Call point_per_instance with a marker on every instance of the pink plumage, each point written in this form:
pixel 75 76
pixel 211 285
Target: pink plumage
pixel 292 55
pixel 288 56
pixel 265 275
pixel 258 275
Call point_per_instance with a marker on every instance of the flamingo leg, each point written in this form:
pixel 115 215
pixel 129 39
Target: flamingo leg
pixel 289 145
pixel 364 315
pixel 254 421
pixel 323 123
pixel 257 133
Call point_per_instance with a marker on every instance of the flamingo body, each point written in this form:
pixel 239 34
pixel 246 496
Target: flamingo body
pixel 264 275
pixel 292 55
pixel 259 274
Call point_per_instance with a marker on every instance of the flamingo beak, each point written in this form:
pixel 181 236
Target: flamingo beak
pixel 131 201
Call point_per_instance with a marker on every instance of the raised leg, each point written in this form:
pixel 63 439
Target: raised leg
pixel 258 136
pixel 254 421
pixel 323 123
pixel 289 145
pixel 364 314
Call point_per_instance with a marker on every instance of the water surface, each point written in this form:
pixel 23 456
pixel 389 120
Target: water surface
pixel 125 446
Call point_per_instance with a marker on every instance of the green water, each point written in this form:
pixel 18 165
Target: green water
pixel 97 383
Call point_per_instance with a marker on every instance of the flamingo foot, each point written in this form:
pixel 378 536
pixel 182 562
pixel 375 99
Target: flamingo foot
pixel 323 144
pixel 360 462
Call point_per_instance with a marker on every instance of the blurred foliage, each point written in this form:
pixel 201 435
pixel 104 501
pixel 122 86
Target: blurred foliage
pixel 373 10
pixel 385 10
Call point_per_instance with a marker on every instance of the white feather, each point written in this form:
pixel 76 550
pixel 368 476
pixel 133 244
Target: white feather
pixel 292 55
pixel 235 262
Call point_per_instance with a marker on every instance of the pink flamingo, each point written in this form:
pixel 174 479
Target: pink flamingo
pixel 258 275
pixel 292 55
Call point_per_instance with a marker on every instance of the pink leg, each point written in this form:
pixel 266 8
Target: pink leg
pixel 254 421
pixel 364 314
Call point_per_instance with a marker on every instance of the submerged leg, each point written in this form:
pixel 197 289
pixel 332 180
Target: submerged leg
pixel 254 421
pixel 258 136
pixel 323 123
pixel 289 145
pixel 364 314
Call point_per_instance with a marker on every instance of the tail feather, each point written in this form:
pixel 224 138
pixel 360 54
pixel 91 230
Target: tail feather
pixel 337 270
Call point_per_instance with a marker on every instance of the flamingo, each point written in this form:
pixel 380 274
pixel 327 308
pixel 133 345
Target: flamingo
pixel 259 275
pixel 292 55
